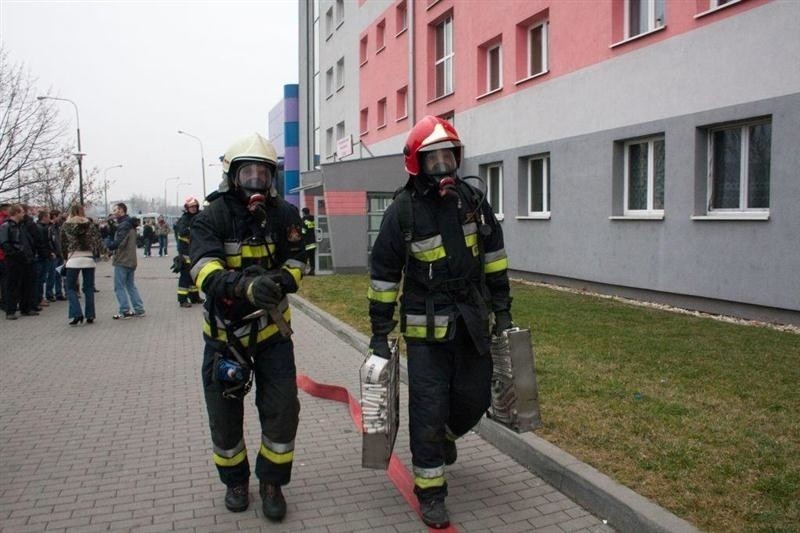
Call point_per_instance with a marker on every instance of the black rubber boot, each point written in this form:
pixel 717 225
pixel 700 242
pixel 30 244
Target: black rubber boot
pixel 237 498
pixel 450 452
pixel 272 501
pixel 434 514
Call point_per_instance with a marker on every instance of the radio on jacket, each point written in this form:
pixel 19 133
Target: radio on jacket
pixel 228 370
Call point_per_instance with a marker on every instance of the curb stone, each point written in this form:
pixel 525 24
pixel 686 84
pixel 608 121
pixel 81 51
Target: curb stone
pixel 624 509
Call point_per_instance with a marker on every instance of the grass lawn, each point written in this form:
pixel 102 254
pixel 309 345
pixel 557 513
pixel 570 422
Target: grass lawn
pixel 701 416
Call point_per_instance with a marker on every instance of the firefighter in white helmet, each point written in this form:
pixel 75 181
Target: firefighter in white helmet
pixel 247 254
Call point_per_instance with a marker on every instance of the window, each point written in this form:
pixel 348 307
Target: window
pixel 537 49
pixel 642 16
pixel 330 146
pixel 382 112
pixel 340 130
pixel 401 17
pixel 539 185
pixel 494 68
pixel 739 166
pixel 329 22
pixel 377 202
pixel 362 50
pixel 339 12
pixel 340 73
pixel 493 175
pixel 644 176
pixel 449 117
pixel 380 35
pixel 444 58
pixel 329 83
pixel 402 103
pixel 364 121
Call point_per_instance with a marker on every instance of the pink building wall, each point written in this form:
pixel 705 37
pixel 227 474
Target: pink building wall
pixel 580 34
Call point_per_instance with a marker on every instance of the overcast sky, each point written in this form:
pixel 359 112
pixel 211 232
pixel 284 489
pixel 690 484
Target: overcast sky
pixel 141 70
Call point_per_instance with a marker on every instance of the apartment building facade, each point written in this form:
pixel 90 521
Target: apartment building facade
pixel 638 147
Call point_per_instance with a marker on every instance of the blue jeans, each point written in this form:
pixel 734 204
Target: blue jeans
pixel 53 287
pixel 124 288
pixel 88 292
pixel 40 277
pixel 162 245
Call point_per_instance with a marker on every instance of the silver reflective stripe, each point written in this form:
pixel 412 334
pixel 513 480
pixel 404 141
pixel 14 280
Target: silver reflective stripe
pixel 494 256
pixel 426 244
pixel 277 447
pixel 294 263
pixel 429 473
pixel 422 320
pixel 200 264
pixel 231 452
pixel 232 247
pixel 382 286
pixel 470 228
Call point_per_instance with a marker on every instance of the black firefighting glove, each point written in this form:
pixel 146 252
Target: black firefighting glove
pixel 502 321
pixel 379 345
pixel 177 264
pixel 263 292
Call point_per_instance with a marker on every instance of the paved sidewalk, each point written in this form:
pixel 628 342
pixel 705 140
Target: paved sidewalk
pixel 103 427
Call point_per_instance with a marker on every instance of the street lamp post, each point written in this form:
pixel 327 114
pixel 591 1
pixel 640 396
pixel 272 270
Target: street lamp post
pixel 178 188
pixel 202 158
pixel 80 154
pixel 165 191
pixel 105 185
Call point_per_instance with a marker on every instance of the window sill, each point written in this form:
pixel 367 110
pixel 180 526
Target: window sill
pixel 639 36
pixel 642 216
pixel 440 97
pixel 381 126
pixel 363 63
pixel 328 96
pixel 493 91
pixel 339 24
pixel 430 5
pixel 715 9
pixel 339 88
pixel 532 77
pixel 328 38
pixel 535 216
pixel 402 118
pixel 732 216
pixel 401 32
pixel 363 133
pixel 381 49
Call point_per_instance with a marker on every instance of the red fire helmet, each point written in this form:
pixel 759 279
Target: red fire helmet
pixel 430 133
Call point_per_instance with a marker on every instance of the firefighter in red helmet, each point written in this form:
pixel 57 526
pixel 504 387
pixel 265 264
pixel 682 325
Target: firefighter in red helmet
pixel 188 293
pixel 441 240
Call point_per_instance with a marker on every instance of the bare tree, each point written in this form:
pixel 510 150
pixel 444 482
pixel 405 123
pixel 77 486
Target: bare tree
pixel 29 132
pixel 53 183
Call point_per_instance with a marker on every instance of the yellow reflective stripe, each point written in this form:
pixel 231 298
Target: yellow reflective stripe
pixel 183 291
pixel 259 250
pixel 275 457
pixel 212 266
pixel 310 246
pixel 430 256
pixel 233 261
pixel 421 332
pixel 382 296
pixel 426 483
pixel 233 461
pixel 263 334
pixel 184 239
pixel 296 273
pixel 194 289
pixel 496 266
pixel 471 239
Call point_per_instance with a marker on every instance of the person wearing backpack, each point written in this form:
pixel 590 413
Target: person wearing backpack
pixel 441 240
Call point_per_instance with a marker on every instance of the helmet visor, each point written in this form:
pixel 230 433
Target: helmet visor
pixel 439 162
pixel 254 176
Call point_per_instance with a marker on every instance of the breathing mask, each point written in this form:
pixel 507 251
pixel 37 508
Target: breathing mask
pixel 440 166
pixel 254 181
